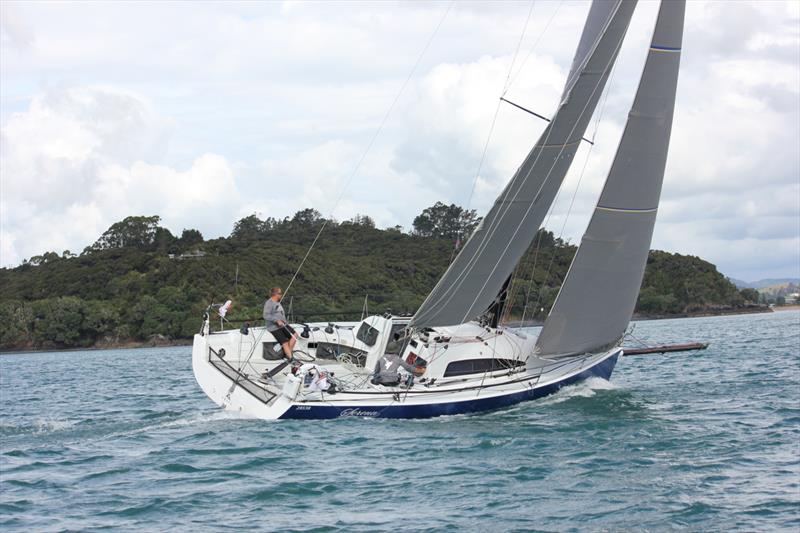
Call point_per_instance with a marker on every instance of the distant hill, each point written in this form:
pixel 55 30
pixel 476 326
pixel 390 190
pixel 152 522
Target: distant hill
pixel 764 283
pixel 779 290
pixel 138 282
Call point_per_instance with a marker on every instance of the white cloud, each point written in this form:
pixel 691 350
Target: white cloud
pixel 82 158
pixel 108 109
pixel 13 29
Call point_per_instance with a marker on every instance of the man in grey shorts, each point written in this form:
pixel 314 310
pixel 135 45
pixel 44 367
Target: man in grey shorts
pixel 275 319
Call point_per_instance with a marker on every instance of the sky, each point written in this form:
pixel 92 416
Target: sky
pixel 204 112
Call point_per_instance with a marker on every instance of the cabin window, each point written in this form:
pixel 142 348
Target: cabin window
pixel 478 366
pixel 367 334
pixel 396 341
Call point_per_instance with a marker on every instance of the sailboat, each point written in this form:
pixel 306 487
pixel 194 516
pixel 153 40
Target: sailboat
pixel 464 360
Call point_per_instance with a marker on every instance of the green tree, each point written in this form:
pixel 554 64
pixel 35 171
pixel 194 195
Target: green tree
pixel 45 258
pixel 361 220
pixel 57 321
pixel 149 317
pixel 16 319
pixel 750 295
pixel 307 218
pixel 191 237
pixel 100 319
pixel 249 227
pixel 445 222
pixel 132 292
pixel 138 232
pixel 164 240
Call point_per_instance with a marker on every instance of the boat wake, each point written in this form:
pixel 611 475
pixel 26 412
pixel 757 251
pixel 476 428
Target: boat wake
pixel 188 420
pixel 39 426
pixel 51 425
pixel 71 431
pixel 585 389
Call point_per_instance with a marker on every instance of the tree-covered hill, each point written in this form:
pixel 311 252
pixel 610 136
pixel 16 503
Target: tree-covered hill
pixel 139 281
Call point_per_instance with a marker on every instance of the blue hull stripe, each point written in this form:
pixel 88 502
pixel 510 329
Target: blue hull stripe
pixel 311 411
pixel 665 48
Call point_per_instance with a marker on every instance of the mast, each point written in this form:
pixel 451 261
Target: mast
pixel 476 276
pixel 597 298
pixel 498 306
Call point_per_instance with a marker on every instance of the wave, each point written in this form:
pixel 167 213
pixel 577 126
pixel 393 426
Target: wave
pixel 67 430
pixel 585 389
pixel 39 426
pixel 193 419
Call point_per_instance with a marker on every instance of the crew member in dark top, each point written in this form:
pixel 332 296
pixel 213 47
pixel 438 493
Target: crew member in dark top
pixel 276 322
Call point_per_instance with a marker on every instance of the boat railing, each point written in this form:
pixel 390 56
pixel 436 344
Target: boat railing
pixel 239 378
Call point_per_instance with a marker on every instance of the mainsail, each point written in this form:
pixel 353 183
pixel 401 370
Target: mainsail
pixel 476 276
pixel 599 293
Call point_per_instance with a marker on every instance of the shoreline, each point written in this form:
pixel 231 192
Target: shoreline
pixel 121 345
pixel 702 314
pixel 169 343
pixel 643 318
pixel 793 307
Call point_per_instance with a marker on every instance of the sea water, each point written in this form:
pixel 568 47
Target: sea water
pixel 125 440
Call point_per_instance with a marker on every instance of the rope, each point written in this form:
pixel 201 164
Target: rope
pixel 491 365
pixel 533 272
pixel 369 145
pixel 629 334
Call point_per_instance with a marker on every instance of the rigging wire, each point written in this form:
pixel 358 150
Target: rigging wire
pixel 506 86
pixel 509 305
pixel 569 210
pixel 371 142
pixel 532 48
pixel 495 223
pixel 575 192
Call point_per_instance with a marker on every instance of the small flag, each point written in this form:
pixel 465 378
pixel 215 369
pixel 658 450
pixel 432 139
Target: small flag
pixel 224 308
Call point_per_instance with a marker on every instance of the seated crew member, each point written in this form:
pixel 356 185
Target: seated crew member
pixel 275 319
pixel 386 370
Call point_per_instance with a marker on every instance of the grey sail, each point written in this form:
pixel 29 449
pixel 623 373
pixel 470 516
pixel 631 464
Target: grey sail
pixel 476 276
pixel 600 13
pixel 598 295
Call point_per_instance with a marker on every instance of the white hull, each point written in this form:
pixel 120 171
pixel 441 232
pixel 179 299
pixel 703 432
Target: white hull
pixel 232 381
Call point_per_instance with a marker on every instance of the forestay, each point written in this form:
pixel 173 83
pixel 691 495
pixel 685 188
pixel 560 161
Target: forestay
pixel 475 278
pixel 598 296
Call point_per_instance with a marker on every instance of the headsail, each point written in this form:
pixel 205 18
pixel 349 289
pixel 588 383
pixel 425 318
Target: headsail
pixel 474 279
pixel 598 296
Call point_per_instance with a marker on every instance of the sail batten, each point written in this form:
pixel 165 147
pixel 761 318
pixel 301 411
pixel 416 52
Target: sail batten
pixel 476 276
pixel 596 301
